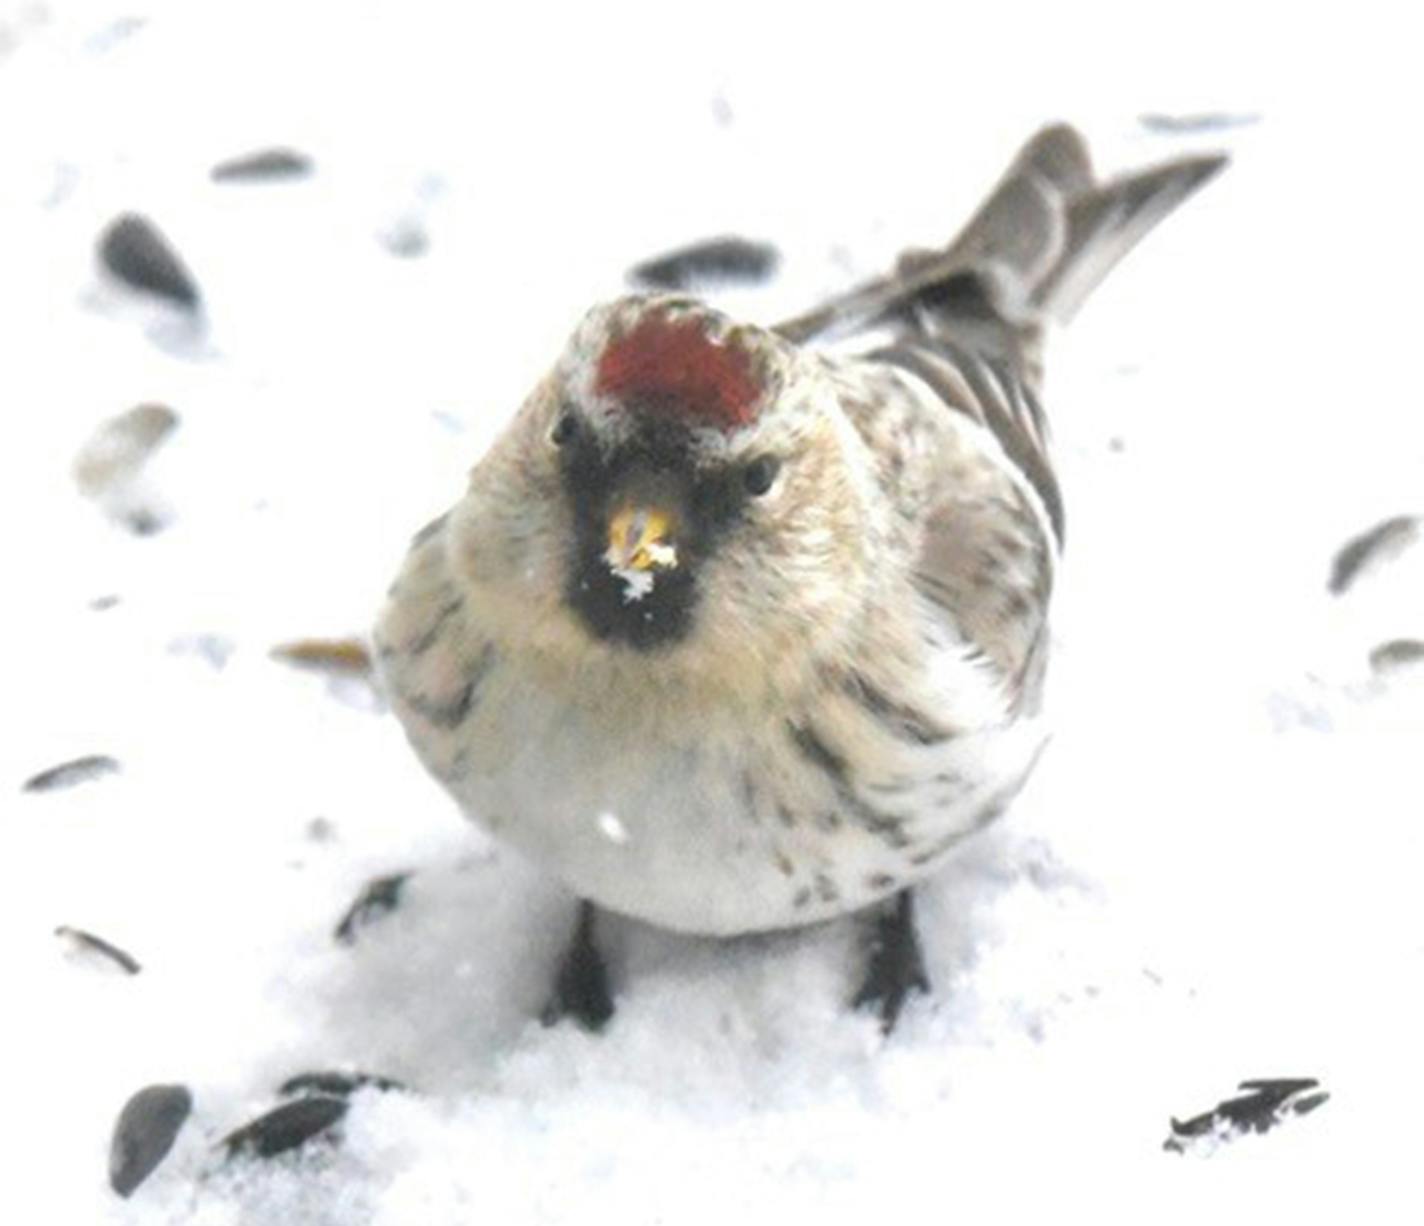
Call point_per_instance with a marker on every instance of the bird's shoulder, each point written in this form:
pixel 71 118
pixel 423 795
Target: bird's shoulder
pixel 976 535
pixel 425 647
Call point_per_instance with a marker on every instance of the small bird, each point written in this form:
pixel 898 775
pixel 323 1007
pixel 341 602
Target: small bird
pixel 738 628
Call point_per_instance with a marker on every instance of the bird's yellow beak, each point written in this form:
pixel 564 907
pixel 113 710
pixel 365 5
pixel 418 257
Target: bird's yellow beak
pixel 641 539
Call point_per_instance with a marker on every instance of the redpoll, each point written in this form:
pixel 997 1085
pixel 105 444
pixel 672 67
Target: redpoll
pixel 738 628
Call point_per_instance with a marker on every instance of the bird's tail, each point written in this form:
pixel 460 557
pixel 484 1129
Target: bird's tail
pixel 1049 232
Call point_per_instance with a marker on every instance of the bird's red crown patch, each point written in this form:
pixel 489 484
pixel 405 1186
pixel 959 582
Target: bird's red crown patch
pixel 673 367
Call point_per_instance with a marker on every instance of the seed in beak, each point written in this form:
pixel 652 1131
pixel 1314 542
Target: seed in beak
pixel 639 546
pixel 640 539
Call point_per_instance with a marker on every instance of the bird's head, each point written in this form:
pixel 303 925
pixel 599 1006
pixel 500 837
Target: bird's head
pixel 680 497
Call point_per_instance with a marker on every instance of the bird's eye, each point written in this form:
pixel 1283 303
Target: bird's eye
pixel 759 475
pixel 565 430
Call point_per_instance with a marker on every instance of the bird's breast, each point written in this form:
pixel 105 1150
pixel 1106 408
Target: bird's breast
pixel 726 825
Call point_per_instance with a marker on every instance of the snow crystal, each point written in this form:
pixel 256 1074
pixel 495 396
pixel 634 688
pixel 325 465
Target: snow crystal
pixel 612 828
pixel 636 583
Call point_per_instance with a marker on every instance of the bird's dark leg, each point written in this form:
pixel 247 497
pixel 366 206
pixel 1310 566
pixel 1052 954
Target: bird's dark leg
pixel 581 988
pixel 896 966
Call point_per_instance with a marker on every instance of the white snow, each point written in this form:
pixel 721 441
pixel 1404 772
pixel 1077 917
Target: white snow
pixel 1214 875
pixel 612 828
pixel 636 583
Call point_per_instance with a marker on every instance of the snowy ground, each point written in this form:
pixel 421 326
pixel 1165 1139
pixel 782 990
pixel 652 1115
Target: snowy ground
pixel 1213 877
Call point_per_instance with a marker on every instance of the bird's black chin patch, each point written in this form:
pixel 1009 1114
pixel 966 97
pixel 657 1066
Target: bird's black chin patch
pixel 616 613
pixel 656 466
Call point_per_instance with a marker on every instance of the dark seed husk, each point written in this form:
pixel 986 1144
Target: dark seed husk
pixel 89 942
pixel 335 1082
pixel 345 656
pixel 726 259
pixel 119 447
pixel 1396 654
pixel 378 897
pixel 286 1127
pixel 68 774
pixel 1385 540
pixel 144 1133
pixel 1203 121
pixel 135 251
pixel 263 166
pixel 1267 1103
pixel 110 465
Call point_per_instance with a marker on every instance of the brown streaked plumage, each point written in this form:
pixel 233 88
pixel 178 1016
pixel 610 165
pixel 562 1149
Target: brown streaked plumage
pixel 823 668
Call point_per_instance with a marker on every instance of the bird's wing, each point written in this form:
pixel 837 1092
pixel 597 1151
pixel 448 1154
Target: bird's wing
pixel 993 392
pixel 965 324
pixel 988 550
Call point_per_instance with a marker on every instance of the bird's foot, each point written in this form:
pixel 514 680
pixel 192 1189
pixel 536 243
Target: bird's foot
pixel 897 967
pixel 581 988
